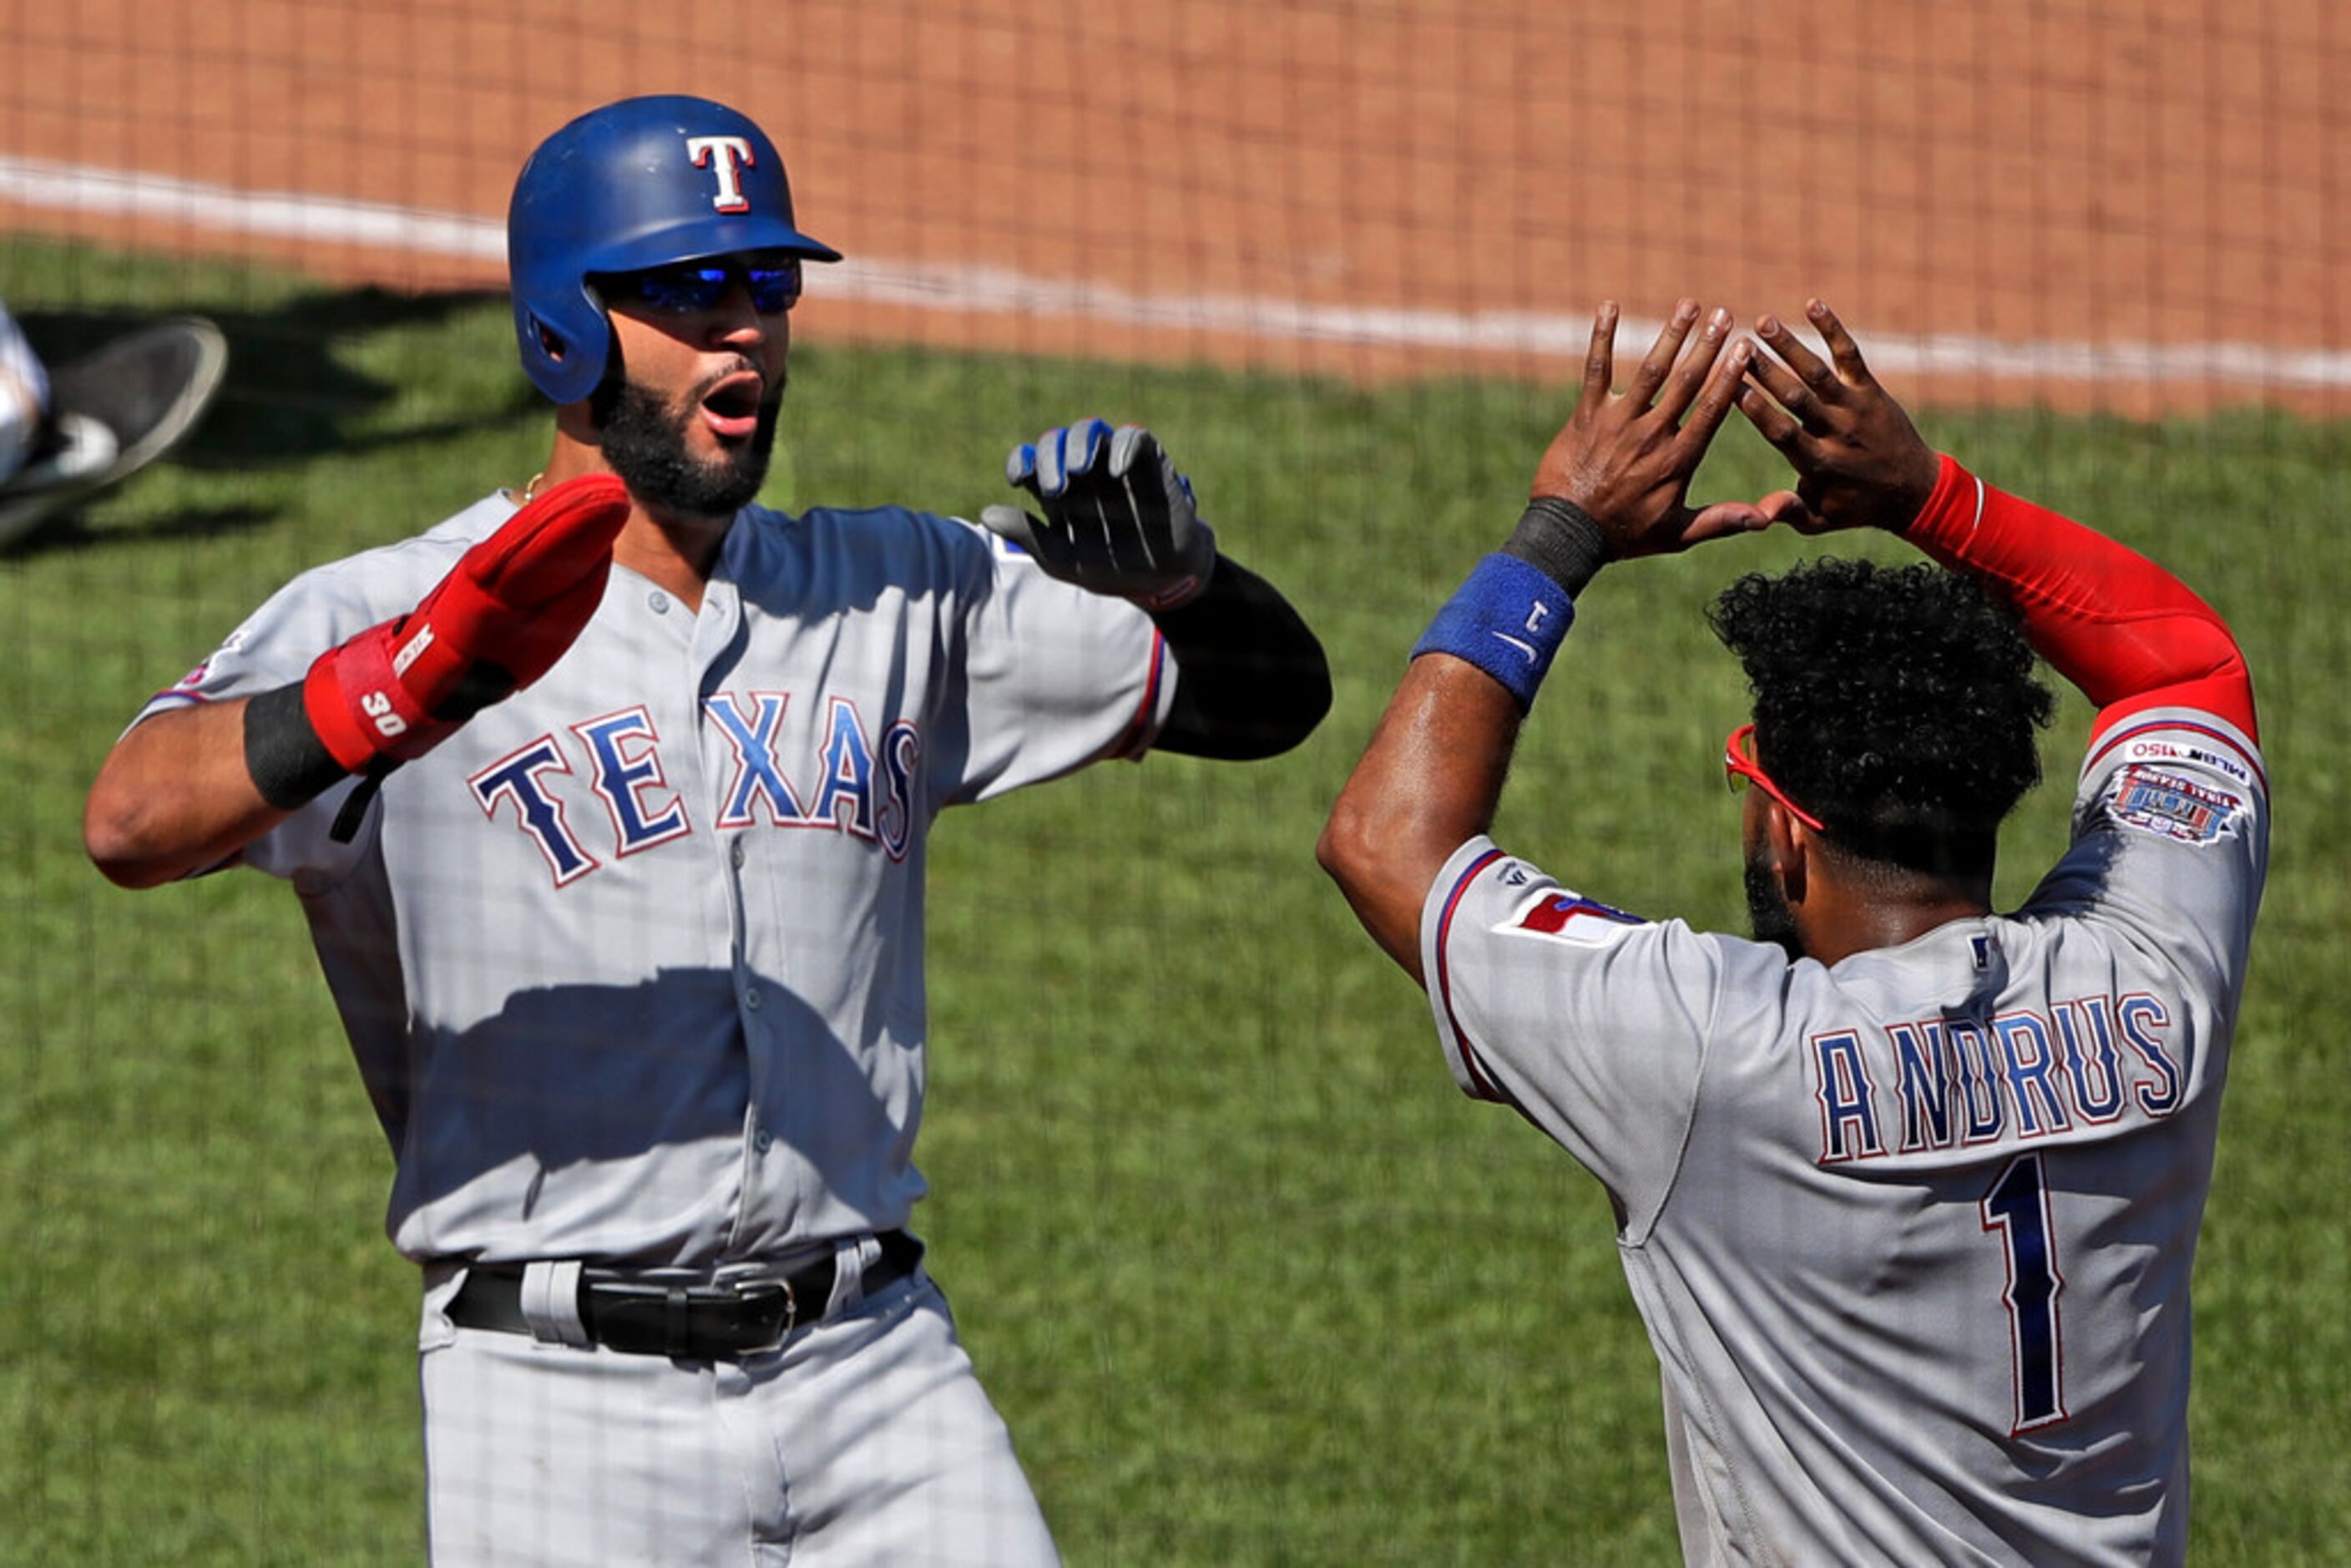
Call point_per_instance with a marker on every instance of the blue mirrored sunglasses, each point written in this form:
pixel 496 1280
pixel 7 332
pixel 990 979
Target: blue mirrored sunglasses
pixel 691 285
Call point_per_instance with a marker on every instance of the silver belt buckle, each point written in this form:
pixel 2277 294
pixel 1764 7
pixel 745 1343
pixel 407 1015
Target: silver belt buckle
pixel 755 1293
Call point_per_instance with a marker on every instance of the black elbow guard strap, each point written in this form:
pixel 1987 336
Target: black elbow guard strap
pixel 289 764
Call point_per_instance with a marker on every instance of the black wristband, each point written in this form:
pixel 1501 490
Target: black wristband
pixel 289 764
pixel 1558 538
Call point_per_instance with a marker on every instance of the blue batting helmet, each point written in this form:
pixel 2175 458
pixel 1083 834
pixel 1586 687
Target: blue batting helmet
pixel 635 184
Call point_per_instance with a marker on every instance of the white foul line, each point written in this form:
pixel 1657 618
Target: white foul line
pixel 981 291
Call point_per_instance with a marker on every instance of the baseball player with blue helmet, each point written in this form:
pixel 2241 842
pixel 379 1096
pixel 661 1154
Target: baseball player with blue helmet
pixel 608 801
pixel 1906 1189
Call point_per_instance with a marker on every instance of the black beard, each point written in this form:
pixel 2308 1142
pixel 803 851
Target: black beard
pixel 644 442
pixel 1768 912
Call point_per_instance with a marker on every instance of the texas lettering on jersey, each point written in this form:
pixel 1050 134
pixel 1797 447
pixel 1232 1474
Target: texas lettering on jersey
pixel 850 785
pixel 1957 1082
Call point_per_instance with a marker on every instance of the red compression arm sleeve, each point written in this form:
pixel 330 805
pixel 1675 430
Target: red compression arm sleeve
pixel 2126 631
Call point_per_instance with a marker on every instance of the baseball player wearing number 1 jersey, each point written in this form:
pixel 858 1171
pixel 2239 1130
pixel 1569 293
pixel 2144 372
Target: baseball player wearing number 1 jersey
pixel 1908 1190
pixel 607 800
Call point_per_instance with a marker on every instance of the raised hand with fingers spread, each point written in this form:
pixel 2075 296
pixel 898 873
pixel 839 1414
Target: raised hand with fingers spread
pixel 1859 461
pixel 1626 462
pixel 1614 484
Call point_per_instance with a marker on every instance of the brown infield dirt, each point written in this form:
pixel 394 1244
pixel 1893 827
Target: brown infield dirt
pixel 2087 204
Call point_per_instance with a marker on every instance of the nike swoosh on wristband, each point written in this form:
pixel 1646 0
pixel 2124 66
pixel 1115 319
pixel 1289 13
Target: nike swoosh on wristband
pixel 1526 648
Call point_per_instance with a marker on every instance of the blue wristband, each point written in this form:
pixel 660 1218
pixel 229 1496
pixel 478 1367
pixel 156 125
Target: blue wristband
pixel 1508 618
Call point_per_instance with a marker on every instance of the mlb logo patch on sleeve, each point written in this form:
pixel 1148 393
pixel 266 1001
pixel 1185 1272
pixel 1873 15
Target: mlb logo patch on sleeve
pixel 2157 801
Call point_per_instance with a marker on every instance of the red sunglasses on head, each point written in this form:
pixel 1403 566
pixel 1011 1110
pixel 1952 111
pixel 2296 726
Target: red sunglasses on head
pixel 1738 762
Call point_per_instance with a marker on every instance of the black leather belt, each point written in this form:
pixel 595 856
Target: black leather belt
pixel 627 1311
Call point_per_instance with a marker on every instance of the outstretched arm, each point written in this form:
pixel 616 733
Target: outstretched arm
pixel 2124 631
pixel 1427 784
pixel 184 790
pixel 174 796
pixel 1612 484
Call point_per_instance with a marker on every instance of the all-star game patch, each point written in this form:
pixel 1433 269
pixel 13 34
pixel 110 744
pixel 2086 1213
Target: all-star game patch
pixel 2158 801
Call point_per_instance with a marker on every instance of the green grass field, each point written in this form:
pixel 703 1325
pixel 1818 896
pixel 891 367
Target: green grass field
pixel 1252 1283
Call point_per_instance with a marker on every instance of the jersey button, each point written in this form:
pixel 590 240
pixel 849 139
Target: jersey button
pixel 763 1140
pixel 734 854
pixel 751 998
pixel 659 601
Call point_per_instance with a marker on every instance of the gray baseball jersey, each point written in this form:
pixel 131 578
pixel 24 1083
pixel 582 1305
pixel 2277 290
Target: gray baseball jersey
pixel 1911 1234
pixel 633 963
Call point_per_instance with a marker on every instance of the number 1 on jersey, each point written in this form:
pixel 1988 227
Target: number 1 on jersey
pixel 2018 1208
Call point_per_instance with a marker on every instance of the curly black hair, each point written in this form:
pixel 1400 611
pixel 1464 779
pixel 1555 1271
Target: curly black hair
pixel 1898 705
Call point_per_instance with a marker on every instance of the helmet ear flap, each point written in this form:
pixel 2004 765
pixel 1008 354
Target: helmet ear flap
pixel 564 351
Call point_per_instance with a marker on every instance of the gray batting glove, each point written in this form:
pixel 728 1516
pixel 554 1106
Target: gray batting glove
pixel 1118 517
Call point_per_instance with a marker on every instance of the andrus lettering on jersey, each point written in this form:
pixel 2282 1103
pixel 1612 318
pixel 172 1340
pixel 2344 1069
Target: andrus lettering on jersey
pixel 2020 1077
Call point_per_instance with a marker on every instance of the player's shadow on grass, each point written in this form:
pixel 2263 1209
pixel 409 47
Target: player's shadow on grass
pixel 292 391
pixel 71 531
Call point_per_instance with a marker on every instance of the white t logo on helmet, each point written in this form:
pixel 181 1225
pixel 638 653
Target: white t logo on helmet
pixel 733 154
